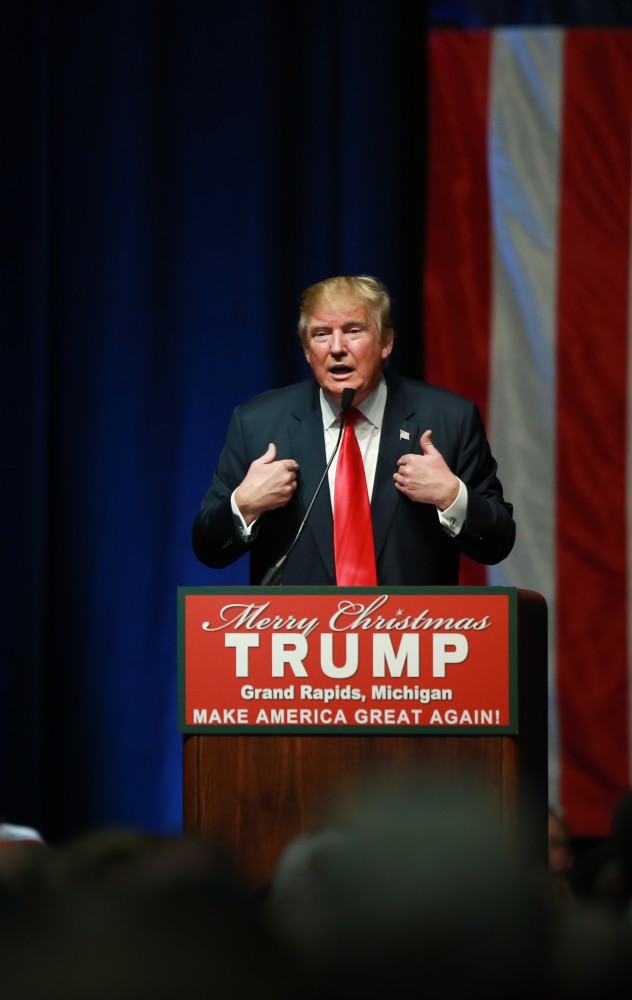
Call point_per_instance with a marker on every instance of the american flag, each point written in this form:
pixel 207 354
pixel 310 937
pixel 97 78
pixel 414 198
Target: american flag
pixel 527 311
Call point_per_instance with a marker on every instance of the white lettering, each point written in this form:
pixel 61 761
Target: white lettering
pixel 289 650
pixel 241 645
pixel 248 616
pixel 407 656
pixel 327 664
pixel 386 692
pixel 389 716
pixel 301 716
pixel 447 649
pixel 227 717
pixel 250 693
pixel 466 717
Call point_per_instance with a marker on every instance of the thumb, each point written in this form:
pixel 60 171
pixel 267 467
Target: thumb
pixel 270 454
pixel 426 444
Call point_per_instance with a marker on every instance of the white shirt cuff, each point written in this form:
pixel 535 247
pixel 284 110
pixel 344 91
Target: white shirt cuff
pixel 245 530
pixel 453 517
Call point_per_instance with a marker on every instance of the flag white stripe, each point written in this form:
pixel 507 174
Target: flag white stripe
pixel 524 159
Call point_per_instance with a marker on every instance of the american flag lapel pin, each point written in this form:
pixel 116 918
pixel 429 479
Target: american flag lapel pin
pixel 404 435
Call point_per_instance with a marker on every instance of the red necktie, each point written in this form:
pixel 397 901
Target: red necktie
pixel 353 528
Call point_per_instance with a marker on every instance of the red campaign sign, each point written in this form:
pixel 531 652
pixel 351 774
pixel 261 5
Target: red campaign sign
pixel 288 660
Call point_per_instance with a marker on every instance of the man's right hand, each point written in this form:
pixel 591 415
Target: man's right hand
pixel 269 484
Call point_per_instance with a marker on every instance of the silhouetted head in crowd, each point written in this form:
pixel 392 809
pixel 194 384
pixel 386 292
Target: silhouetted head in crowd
pixel 414 883
pixel 603 872
pixel 621 840
pixel 133 916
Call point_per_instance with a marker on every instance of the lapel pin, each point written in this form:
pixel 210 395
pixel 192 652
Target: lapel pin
pixel 404 435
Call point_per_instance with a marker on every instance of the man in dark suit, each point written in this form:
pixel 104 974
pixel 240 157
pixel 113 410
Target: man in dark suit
pixel 430 473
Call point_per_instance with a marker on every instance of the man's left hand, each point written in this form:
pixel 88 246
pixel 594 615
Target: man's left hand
pixel 426 478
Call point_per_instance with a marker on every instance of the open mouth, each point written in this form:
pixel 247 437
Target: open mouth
pixel 339 371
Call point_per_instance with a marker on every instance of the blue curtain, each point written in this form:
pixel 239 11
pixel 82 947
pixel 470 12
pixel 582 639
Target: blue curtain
pixel 172 176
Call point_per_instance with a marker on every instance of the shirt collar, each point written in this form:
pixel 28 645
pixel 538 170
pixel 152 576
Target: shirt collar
pixel 372 407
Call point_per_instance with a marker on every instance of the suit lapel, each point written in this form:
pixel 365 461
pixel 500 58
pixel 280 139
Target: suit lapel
pixel 400 435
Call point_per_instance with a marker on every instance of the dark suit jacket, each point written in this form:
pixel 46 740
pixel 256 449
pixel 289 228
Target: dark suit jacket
pixel 412 548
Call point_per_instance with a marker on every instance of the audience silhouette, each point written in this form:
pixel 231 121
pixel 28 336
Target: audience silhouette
pixel 407 889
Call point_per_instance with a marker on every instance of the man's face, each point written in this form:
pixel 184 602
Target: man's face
pixel 343 347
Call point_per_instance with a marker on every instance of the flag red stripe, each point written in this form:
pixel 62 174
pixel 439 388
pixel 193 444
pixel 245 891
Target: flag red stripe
pixel 458 223
pixel 591 428
pixel 458 215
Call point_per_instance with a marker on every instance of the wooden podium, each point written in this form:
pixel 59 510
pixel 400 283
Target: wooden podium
pixel 253 792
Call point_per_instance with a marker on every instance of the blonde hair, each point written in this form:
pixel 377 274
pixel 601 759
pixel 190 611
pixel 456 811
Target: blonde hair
pixel 371 291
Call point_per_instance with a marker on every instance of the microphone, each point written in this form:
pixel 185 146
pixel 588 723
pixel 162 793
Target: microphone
pixel 273 575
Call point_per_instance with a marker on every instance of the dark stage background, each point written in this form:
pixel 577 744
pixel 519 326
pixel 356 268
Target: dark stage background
pixel 172 175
